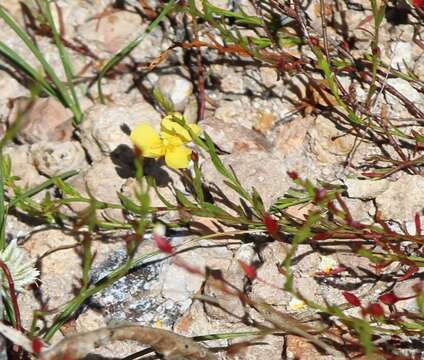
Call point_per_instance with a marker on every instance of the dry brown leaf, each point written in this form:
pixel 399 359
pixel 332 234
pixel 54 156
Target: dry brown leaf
pixel 169 344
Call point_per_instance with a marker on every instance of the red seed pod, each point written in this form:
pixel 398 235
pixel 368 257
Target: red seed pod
pixel 36 345
pixel 389 298
pixel 418 3
pixel 320 195
pixel 321 236
pixel 249 270
pixel 162 243
pixel 314 41
pixel 352 299
pixel 375 309
pixel 293 175
pixel 271 225
pixel 417 222
pixel 194 156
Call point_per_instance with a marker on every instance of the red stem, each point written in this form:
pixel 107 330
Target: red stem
pixel 13 296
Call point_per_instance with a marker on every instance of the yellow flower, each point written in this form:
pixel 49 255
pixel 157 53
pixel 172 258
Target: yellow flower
pixel 168 143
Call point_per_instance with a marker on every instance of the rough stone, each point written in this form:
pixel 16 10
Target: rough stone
pixel 54 158
pixel 230 308
pixel 291 136
pixel 366 189
pixel 271 291
pixel 267 172
pixel 10 89
pixel 179 284
pixel 110 32
pixel 22 167
pixel 43 119
pixel 104 180
pixel 60 270
pixel 176 89
pixel 103 130
pixel 234 138
pixel 406 89
pixel 327 142
pixel 402 199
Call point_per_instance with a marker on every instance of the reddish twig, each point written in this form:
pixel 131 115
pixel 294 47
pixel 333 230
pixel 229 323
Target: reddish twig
pixel 13 297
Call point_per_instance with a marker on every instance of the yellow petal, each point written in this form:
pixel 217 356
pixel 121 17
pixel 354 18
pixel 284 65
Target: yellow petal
pixel 177 157
pixel 174 132
pixel 147 140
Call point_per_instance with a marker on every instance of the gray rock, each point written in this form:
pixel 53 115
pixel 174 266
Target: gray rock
pixel 103 128
pixel 54 158
pixel 176 89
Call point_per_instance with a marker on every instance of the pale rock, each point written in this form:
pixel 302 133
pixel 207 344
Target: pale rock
pixel 230 306
pixel 272 291
pixel 229 111
pixel 269 76
pixel 22 167
pixel 260 169
pixel 103 128
pixel 60 270
pixel 408 288
pixel 403 198
pixel 233 137
pixel 406 89
pixel 54 158
pixel 240 111
pixel 111 32
pixel 301 349
pixel 271 347
pixel 265 122
pixel 176 89
pixel 43 119
pixel 191 110
pixel 366 189
pixel 89 321
pixel 232 81
pixel 195 322
pixel 131 187
pixel 401 55
pixel 291 136
pixel 9 90
pixel 104 180
pixel 246 253
pixel 327 142
pixel 361 210
pixel 178 284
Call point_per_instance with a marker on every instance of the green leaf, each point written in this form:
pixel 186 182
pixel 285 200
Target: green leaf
pixel 183 200
pixel 163 101
pixel 129 204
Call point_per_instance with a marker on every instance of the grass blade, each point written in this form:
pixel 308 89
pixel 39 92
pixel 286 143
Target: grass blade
pixel 61 93
pixel 67 65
